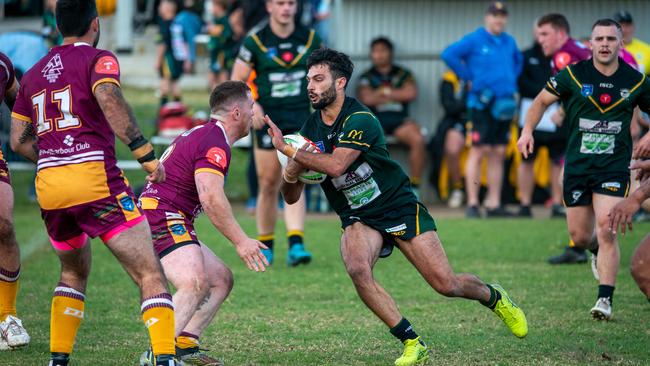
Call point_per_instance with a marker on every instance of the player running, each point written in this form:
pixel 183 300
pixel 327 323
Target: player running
pixel 599 96
pixel 12 333
pixel 68 111
pixel 278 54
pixel 196 164
pixel 374 200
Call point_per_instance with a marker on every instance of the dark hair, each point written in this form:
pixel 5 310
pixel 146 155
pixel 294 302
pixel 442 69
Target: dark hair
pixel 228 92
pixel 382 40
pixel 339 63
pixel 73 17
pixel 557 21
pixel 606 22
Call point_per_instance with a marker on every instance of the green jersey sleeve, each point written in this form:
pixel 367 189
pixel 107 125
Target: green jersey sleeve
pixel 360 131
pixel 247 51
pixel 560 84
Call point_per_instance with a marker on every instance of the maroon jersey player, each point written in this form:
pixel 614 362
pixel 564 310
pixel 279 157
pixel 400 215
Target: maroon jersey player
pixel 197 164
pixel 67 114
pixel 12 332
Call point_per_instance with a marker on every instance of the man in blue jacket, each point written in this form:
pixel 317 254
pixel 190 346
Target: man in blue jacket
pixel 489 60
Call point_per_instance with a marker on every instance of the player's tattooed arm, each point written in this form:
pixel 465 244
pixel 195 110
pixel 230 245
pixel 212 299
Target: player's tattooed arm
pixel 118 112
pixel 11 93
pixel 23 139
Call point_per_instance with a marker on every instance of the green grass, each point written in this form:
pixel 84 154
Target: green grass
pixel 311 315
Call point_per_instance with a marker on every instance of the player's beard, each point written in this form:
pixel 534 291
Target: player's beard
pixel 96 41
pixel 328 97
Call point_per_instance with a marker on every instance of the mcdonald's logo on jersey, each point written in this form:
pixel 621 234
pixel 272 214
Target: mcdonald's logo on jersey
pixel 355 135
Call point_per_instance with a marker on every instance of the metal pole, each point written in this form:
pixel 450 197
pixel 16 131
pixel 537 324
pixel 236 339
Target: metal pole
pixel 124 26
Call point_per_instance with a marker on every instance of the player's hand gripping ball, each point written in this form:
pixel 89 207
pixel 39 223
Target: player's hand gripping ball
pixel 308 176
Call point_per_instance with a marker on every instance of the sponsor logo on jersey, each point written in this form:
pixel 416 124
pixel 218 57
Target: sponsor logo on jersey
pixel 355 135
pixel 320 145
pixel 608 127
pixel 554 82
pixel 606 85
pixel 576 196
pixel 587 90
pixel 173 216
pixel 107 65
pixel 562 59
pixel 68 140
pixel 611 186
pixel 53 68
pixel 398 228
pixel 271 52
pixel 178 229
pixel 127 203
pixel 605 98
pixel 301 49
pixel 398 233
pixel 287 56
pixel 284 46
pixel 217 156
pixel 625 93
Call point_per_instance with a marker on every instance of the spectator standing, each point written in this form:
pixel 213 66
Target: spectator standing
pixel 172 55
pixel 490 61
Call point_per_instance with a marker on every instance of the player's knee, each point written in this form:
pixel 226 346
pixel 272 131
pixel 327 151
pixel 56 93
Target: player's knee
pixel 226 280
pixel 359 272
pixel 6 232
pixel 580 238
pixel 447 286
pixel 268 186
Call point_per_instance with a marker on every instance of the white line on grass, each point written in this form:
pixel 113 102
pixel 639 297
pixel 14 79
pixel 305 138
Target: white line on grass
pixel 36 242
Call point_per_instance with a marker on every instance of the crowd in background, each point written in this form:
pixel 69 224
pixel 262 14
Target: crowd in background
pixel 488 84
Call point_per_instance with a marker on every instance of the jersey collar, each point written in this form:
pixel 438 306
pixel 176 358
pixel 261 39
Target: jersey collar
pixel 220 125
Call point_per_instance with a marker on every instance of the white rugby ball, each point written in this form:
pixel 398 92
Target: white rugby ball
pixel 308 176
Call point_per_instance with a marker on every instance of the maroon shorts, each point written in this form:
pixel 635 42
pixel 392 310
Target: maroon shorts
pixel 170 229
pixel 97 218
pixel 4 171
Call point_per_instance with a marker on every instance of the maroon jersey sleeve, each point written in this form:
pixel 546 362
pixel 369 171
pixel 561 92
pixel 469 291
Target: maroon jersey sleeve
pixel 212 155
pixel 104 69
pixel 7 75
pixel 22 107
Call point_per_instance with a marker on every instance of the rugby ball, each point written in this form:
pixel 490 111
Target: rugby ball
pixel 308 176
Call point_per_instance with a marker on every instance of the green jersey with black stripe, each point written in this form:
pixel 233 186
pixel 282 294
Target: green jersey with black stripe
pixel 281 65
pixel 374 182
pixel 599 109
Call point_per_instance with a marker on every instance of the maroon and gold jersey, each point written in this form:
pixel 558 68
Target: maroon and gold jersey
pixel 204 148
pixel 7 77
pixel 76 162
pixel 570 53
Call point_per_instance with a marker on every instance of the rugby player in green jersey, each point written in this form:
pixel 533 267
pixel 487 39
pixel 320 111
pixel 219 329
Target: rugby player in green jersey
pixel 278 53
pixel 599 96
pixel 373 198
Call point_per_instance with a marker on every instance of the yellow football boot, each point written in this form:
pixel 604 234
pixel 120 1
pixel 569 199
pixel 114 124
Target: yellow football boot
pixel 415 353
pixel 510 313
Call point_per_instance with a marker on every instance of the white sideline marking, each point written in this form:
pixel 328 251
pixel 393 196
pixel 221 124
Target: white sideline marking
pixel 36 242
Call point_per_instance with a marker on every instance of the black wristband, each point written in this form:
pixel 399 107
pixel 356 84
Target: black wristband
pixel 149 157
pixel 138 142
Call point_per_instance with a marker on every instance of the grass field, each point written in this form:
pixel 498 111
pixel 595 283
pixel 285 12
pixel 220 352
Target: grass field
pixel 311 315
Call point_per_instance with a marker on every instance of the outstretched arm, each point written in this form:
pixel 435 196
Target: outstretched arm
pixel 218 209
